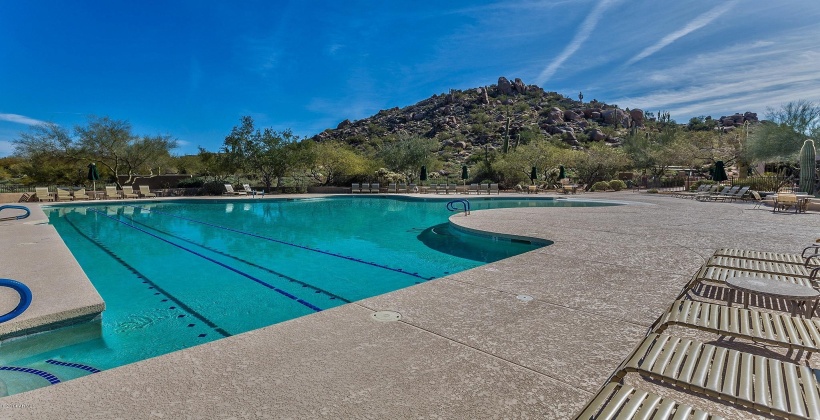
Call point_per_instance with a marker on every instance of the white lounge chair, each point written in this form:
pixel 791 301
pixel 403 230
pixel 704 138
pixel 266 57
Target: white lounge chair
pixel 146 192
pixel 229 190
pixel 43 194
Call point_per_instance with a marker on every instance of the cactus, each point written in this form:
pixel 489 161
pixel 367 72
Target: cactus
pixel 808 166
pixel 506 146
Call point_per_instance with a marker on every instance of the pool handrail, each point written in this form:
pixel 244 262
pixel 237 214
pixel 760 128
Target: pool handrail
pixel 465 206
pixel 18 217
pixel 25 298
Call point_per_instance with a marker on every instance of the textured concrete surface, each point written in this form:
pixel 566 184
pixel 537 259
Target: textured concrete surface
pixel 32 252
pixel 467 346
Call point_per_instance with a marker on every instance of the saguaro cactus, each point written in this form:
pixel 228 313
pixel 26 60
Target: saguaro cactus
pixel 808 166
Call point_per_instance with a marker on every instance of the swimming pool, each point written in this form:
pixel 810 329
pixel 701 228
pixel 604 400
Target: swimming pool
pixel 182 273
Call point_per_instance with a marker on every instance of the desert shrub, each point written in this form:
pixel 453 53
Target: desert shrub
pixel 617 184
pixel 652 191
pixel 212 188
pixel 600 186
pixel 191 183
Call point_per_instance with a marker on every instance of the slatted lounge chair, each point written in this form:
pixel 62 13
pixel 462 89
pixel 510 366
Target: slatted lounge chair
pixel 111 193
pixel 413 188
pixel 472 189
pixel 773 328
pixel 402 188
pixel 619 401
pixel 64 195
pixel 146 192
pixel 392 188
pixel 128 192
pixel 43 194
pixel 685 194
pixel 80 194
pixel 228 190
pixel 732 196
pixel 494 189
pixel 355 188
pixel 759 383
pixel 374 188
pixel 625 402
pixel 789 269
pixel 365 187
pixel 248 190
pixel 725 193
pixel 483 188
pixel 718 275
pixel 711 191
pixel 810 259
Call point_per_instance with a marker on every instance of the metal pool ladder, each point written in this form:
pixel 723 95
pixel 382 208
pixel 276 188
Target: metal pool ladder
pixel 459 205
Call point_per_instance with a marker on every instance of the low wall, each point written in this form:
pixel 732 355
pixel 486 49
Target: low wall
pixel 328 190
pixel 10 197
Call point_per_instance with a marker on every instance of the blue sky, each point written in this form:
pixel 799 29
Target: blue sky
pixel 191 69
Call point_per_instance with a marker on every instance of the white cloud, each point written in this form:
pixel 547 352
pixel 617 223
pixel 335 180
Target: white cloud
pixel 583 33
pixel 20 119
pixel 697 23
pixel 737 78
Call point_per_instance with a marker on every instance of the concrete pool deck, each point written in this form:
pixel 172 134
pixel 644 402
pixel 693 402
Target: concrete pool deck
pixel 465 347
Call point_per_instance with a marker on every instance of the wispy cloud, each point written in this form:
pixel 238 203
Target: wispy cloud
pixel 20 119
pixel 583 33
pixel 697 23
pixel 737 78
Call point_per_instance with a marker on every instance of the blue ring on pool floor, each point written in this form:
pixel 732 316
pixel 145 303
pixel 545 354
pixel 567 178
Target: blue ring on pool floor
pixel 25 298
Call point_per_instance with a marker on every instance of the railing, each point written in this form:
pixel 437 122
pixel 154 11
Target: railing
pixel 455 204
pixel 18 217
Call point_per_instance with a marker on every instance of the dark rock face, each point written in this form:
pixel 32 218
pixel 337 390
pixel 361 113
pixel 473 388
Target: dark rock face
pixel 343 124
pixel 504 86
pixel 637 116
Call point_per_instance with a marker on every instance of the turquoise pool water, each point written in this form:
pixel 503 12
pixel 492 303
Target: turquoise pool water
pixel 178 274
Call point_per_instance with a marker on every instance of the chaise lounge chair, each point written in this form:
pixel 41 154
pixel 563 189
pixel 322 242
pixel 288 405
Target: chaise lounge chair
pixel 228 190
pixel 111 193
pixel 625 402
pixel 43 194
pixel 64 195
pixel 80 194
pixel 725 193
pixel 759 383
pixel 251 191
pixel 145 192
pixel 812 258
pixel 773 328
pixel 355 188
pixel 128 192
pixel 760 266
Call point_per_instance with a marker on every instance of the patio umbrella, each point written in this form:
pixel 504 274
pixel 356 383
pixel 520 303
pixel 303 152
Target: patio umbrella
pixel 93 175
pixel 533 174
pixel 423 174
pixel 464 173
pixel 561 172
pixel 720 172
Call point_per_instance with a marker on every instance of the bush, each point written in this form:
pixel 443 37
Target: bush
pixel 652 191
pixel 600 186
pixel 617 184
pixel 212 188
pixel 191 183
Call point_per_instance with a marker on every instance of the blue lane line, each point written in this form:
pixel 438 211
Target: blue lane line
pixel 45 375
pixel 244 261
pixel 74 365
pixel 307 248
pixel 241 273
pixel 148 281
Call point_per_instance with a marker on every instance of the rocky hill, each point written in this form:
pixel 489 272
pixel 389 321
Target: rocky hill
pixel 484 117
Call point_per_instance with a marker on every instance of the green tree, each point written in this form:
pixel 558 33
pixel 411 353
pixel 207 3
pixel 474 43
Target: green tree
pixel 406 155
pixel 111 143
pixel 337 162
pixel 50 155
pixel 599 163
pixel 782 136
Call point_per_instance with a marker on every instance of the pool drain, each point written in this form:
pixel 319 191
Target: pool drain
pixel 386 316
pixel 524 298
